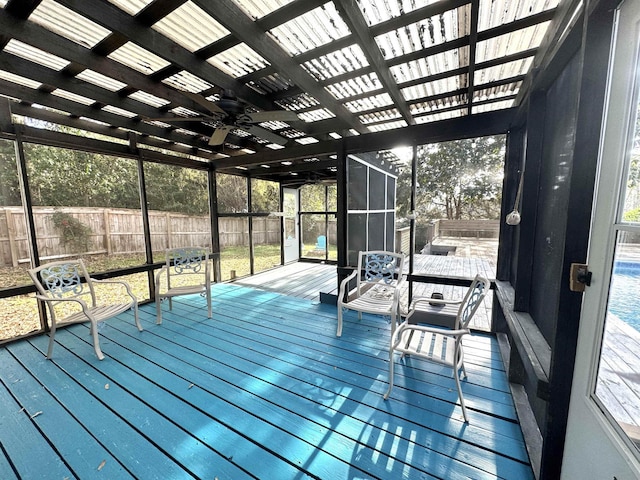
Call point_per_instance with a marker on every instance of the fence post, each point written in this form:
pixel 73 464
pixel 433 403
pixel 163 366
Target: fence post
pixel 11 232
pixel 168 220
pixel 106 215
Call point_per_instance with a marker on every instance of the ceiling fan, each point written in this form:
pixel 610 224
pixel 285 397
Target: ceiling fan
pixel 228 113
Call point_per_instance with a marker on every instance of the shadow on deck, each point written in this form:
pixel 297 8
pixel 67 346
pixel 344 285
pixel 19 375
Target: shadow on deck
pixel 262 390
pixel 318 282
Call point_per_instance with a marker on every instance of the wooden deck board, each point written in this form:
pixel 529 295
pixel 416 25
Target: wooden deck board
pixel 262 390
pixel 300 279
pixel 21 441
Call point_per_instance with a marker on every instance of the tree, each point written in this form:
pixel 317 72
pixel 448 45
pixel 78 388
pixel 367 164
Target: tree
pixel 61 177
pixel 9 185
pixel 174 189
pixel 232 193
pixel 265 196
pixel 456 180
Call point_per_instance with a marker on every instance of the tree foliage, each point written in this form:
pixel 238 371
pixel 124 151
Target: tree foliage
pixel 63 178
pixel 9 185
pixel 265 196
pixel 175 189
pixel 232 193
pixel 60 177
pixel 456 180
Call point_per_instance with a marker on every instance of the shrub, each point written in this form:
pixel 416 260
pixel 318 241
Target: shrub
pixel 74 233
pixel 632 215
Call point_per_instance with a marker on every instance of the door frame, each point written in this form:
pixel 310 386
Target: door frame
pixel 295 246
pixel 594 447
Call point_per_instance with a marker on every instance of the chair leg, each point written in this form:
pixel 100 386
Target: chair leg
pixel 209 303
pixel 52 334
pixel 339 332
pixel 136 317
pixel 158 311
pixel 464 408
pixel 391 365
pixel 96 342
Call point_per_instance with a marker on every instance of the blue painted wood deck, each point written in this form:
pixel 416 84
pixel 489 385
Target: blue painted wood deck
pixel 262 390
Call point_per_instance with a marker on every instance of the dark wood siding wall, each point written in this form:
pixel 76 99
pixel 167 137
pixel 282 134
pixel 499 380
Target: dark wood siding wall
pixel 561 102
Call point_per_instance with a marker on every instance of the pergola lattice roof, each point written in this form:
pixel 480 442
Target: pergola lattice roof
pixel 344 67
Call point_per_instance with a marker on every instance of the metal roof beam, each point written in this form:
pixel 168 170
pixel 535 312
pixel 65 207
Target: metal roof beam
pixel 235 20
pixel 470 126
pixel 116 20
pixel 354 18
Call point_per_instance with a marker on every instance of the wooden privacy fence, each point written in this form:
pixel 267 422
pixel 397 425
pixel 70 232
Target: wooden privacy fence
pixel 466 228
pixel 120 231
pixel 235 231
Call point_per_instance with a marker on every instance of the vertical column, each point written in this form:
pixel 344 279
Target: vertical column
pixel 341 214
pixel 215 232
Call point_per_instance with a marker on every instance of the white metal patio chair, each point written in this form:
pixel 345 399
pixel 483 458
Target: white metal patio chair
pixel 378 279
pixel 70 295
pixel 438 344
pixel 186 272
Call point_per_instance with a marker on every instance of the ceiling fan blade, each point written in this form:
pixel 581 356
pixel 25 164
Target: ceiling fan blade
pixel 271 116
pixel 200 100
pixel 219 135
pixel 264 134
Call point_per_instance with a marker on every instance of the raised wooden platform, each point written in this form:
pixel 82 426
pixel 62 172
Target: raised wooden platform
pixel 262 390
pixel 300 279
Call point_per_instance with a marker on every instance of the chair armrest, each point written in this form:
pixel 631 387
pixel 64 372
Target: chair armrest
pixel 159 274
pixel 397 292
pixel 118 282
pixel 430 301
pixel 344 284
pixel 441 331
pixel 56 300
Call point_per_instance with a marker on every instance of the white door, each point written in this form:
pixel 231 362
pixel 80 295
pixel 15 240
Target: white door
pixel 603 431
pixel 291 233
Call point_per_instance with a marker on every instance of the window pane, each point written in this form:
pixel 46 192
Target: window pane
pixel 232 193
pixel 85 205
pixel 265 196
pixel 357 236
pixel 178 200
pixel 332 198
pixel 332 238
pixel 314 240
pixel 19 314
pixel 234 247
pixel 312 198
pixel 357 185
pixel 618 383
pixel 632 192
pixel 267 235
pixel 14 241
pixel 377 190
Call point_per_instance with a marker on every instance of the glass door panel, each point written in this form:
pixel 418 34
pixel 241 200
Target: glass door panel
pixel 291 226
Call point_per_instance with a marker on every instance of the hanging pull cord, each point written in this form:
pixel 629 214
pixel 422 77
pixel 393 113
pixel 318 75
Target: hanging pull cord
pixel 514 217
